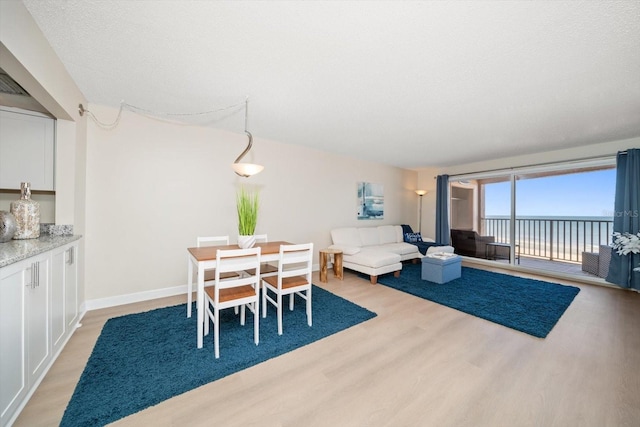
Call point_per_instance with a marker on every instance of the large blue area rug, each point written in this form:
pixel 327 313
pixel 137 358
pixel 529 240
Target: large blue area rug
pixel 526 305
pixel 141 359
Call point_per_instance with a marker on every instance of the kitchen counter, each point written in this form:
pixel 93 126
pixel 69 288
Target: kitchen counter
pixel 17 250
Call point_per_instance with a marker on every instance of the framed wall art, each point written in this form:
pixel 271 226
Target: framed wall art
pixel 370 201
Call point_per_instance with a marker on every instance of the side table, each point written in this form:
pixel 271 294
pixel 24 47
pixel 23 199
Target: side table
pixel 325 254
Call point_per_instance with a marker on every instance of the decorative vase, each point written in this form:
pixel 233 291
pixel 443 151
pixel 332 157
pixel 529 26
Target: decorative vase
pixel 8 226
pixel 246 242
pixel 27 214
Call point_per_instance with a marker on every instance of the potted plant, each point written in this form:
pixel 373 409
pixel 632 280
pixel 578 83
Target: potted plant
pixel 247 205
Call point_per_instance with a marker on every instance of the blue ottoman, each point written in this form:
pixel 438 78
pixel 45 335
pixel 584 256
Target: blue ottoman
pixel 441 268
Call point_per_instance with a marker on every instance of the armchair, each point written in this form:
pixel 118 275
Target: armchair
pixel 470 243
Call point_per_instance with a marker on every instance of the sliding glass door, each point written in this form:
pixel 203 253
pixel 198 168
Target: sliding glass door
pixel 555 218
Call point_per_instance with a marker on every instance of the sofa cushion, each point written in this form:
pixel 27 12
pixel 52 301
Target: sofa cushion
pixel 401 248
pixel 373 258
pixel 346 250
pixel 387 234
pixel 369 236
pixel 347 236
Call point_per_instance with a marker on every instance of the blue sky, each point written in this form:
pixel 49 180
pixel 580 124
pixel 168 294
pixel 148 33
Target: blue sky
pixel 578 194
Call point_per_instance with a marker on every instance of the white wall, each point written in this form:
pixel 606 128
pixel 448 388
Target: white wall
pixel 152 187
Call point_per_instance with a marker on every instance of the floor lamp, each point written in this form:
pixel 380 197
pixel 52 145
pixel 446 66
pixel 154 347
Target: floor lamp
pixel 420 193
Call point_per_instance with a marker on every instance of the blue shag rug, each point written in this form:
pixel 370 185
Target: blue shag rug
pixel 143 359
pixel 526 305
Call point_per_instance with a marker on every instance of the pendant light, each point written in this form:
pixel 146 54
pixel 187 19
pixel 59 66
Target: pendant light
pixel 246 169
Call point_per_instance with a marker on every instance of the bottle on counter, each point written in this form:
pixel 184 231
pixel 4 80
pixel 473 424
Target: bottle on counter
pixel 27 214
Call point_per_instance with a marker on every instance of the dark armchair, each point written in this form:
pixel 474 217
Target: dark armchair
pixel 470 243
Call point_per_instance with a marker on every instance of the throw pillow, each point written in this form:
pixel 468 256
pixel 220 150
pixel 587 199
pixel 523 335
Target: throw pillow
pixel 412 237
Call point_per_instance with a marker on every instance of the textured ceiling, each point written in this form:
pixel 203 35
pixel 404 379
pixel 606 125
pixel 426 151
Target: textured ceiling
pixel 411 84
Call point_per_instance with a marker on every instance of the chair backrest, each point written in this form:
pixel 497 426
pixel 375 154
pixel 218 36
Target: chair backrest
pixel 295 260
pixel 261 238
pixel 212 241
pixel 233 260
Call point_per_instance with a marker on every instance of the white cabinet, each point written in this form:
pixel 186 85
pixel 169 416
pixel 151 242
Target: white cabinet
pixel 25 343
pixel 37 311
pixel 13 357
pixel 64 293
pixel 38 314
pixel 27 147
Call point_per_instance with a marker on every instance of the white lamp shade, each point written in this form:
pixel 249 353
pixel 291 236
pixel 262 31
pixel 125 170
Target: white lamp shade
pixel 247 169
pixel 421 192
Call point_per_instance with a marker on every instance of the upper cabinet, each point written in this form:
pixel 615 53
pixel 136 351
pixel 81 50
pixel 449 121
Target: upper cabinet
pixel 27 147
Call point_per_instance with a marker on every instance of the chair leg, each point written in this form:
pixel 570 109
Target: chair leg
pixel 207 320
pixel 264 301
pixel 216 332
pixel 242 313
pixel 189 298
pixel 256 323
pixel 291 299
pixel 279 314
pixel 309 320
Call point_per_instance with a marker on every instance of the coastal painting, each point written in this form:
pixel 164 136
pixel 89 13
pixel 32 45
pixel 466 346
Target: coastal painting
pixel 370 201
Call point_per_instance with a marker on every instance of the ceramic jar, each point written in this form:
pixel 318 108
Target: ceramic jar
pixel 27 214
pixel 8 226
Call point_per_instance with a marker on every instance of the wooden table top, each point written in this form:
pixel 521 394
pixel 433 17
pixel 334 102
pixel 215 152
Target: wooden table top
pixel 208 253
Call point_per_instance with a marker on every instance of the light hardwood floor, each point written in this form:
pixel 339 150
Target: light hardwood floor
pixel 416 364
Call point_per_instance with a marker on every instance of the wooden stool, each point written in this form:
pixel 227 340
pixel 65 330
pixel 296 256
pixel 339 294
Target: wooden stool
pixel 337 263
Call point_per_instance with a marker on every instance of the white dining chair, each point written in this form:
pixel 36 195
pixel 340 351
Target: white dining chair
pixel 209 275
pixel 266 269
pixel 239 291
pixel 293 278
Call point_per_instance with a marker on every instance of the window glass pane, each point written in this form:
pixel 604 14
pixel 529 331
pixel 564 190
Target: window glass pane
pixel 561 216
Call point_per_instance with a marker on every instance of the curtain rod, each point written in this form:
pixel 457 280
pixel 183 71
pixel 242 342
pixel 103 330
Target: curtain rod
pixel 515 168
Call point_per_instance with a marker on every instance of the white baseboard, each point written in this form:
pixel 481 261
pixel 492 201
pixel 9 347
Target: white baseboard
pixel 97 304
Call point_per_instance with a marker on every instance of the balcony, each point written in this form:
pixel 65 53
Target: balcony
pixel 555 244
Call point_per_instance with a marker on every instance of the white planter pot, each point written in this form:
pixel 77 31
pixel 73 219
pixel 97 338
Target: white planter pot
pixel 246 242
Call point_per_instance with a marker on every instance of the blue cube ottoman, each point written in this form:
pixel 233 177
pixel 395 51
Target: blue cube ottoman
pixel 441 268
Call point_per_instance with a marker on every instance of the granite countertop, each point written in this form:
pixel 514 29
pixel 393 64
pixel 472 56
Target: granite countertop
pixel 17 250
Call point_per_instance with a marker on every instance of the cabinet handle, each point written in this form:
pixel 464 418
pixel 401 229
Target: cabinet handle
pixel 37 275
pixel 70 260
pixel 32 283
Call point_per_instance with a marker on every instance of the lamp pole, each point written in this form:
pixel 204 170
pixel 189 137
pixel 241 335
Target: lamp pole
pixel 420 193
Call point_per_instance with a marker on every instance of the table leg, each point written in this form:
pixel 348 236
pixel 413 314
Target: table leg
pixel 189 284
pixel 337 266
pixel 200 303
pixel 323 266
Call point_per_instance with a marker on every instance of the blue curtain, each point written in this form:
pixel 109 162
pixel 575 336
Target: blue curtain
pixel 626 218
pixel 443 235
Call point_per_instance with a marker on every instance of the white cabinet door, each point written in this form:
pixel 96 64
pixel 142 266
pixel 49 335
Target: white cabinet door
pixel 71 286
pixel 13 369
pixel 58 320
pixel 64 293
pixel 37 310
pixel 27 146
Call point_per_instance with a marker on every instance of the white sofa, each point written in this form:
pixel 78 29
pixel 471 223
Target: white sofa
pixel 373 250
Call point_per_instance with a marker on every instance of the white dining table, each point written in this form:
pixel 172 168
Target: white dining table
pixel 204 258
